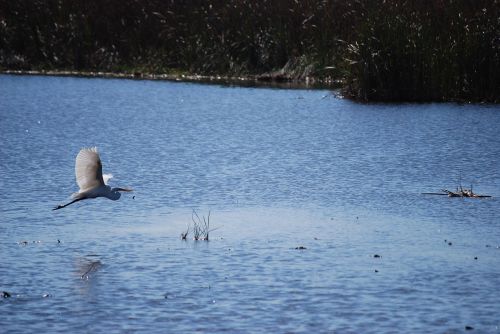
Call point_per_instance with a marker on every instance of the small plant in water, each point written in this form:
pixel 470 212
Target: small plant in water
pixel 196 232
pixel 201 226
pixel 185 234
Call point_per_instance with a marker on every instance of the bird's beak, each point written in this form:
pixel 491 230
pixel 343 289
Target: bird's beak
pixel 124 189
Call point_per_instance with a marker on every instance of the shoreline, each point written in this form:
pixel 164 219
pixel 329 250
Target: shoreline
pixel 264 80
pixel 267 80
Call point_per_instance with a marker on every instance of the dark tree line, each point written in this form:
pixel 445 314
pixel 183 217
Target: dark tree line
pixel 379 50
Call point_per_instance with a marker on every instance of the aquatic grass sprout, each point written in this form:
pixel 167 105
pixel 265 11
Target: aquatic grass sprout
pixel 201 227
pixel 186 233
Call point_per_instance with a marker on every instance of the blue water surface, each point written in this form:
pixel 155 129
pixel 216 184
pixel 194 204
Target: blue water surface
pixel 278 170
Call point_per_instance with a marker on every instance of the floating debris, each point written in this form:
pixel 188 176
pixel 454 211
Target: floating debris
pixel 469 328
pixel 460 192
pixel 25 242
pixel 377 256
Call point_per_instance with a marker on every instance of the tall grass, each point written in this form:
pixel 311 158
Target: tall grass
pixel 425 50
pixel 380 50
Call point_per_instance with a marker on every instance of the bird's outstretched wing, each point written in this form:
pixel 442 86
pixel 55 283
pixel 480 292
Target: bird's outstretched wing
pixel 88 169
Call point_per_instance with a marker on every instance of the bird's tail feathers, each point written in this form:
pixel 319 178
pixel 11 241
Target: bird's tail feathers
pixel 75 195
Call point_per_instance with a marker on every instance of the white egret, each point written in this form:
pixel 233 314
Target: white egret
pixel 89 177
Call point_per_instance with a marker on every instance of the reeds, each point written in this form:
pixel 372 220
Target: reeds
pixel 201 227
pixel 380 50
pixel 425 50
pixel 185 234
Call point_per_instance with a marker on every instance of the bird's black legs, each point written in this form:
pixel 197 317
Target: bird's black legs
pixel 65 205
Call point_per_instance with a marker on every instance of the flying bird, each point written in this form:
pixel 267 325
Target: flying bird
pixel 89 177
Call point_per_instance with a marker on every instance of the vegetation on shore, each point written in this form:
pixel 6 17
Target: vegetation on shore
pixel 388 50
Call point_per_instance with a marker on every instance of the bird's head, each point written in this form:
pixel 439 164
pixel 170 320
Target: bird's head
pixel 115 193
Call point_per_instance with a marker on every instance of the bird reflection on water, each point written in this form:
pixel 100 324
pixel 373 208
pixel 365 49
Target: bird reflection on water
pixel 87 270
pixel 87 267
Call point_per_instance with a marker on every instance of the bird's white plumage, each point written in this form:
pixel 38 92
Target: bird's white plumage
pixel 107 177
pixel 89 177
pixel 88 169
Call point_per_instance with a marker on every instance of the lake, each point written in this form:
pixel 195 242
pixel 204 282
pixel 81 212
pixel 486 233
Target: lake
pixel 316 209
